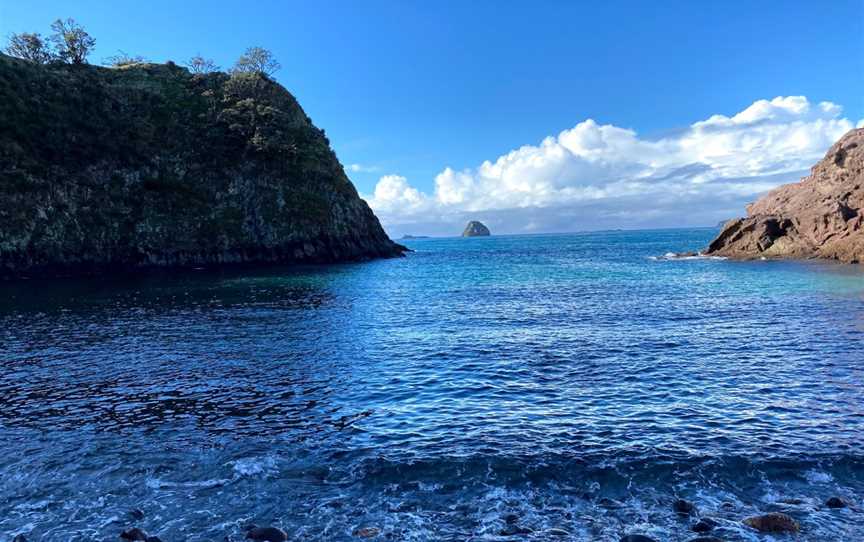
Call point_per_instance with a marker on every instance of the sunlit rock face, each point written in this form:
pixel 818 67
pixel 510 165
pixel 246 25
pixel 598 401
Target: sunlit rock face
pixel 476 229
pixel 818 217
pixel 152 166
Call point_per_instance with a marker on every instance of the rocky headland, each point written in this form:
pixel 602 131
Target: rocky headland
pixel 476 229
pixel 819 217
pixel 149 165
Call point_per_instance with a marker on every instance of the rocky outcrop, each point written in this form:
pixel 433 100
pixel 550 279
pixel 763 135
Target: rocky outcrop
pixel 150 165
pixel 819 217
pixel 476 229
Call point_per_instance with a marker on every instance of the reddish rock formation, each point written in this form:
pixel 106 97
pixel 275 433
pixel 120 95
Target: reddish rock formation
pixel 819 217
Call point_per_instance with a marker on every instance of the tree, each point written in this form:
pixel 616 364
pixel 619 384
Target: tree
pixel 72 42
pixel 257 60
pixel 123 59
pixel 29 47
pixel 199 64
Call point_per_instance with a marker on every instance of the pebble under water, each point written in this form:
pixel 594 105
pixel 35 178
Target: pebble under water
pixel 549 387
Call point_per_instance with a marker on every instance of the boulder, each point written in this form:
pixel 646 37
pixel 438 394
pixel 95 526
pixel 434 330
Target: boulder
pixel 267 534
pixel 775 522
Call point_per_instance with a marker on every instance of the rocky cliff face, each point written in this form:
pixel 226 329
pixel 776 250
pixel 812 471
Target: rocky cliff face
pixel 475 229
pixel 819 217
pixel 150 165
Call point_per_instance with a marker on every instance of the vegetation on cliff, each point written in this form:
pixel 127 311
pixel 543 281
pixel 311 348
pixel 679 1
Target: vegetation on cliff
pixel 153 165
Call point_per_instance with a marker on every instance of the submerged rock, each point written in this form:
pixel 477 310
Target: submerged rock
pixel 775 522
pixel 835 502
pixel 704 525
pixel 134 534
pixel 680 506
pixel 267 534
pixel 19 538
pixel 820 217
pixel 151 166
pixel 367 532
pixel 476 229
pixel 136 513
pixel 636 538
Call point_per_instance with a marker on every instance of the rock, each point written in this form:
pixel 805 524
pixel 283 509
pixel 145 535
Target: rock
pixel 636 538
pixel 792 501
pixel 511 519
pixel 151 166
pixel 513 530
pixel 775 522
pixel 19 538
pixel 136 513
pixel 475 229
pixel 153 539
pixel 680 506
pixel 835 502
pixel 822 216
pixel 267 534
pixel 704 525
pixel 134 534
pixel 367 532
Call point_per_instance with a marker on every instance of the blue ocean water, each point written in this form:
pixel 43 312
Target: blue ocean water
pixel 564 387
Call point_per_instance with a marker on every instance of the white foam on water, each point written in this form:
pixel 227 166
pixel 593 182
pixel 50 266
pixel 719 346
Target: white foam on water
pixel 155 483
pixel 252 466
pixel 818 477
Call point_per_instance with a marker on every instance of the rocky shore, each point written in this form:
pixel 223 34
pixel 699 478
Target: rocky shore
pixel 819 217
pixel 706 525
pixel 149 165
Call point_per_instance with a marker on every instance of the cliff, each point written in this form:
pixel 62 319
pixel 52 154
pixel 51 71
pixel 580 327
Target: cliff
pixel 819 217
pixel 150 165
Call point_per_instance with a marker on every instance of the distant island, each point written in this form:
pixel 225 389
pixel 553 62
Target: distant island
pixel 152 165
pixel 822 216
pixel 476 229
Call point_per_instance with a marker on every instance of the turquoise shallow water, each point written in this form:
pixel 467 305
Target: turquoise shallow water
pixel 569 385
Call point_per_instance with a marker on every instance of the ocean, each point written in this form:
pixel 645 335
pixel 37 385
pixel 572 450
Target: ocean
pixel 535 387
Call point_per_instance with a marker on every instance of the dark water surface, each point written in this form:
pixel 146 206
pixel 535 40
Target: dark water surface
pixel 567 383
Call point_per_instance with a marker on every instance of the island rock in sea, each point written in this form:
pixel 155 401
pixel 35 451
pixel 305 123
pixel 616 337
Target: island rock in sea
pixel 150 165
pixel 819 217
pixel 476 229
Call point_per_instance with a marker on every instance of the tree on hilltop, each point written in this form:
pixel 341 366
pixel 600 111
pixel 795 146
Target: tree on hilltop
pixel 199 64
pixel 72 42
pixel 29 46
pixel 257 60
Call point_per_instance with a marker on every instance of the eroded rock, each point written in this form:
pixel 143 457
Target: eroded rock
pixel 822 216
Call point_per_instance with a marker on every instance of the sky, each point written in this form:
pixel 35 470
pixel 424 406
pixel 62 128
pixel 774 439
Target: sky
pixel 541 116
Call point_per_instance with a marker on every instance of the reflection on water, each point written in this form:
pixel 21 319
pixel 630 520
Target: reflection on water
pixel 569 382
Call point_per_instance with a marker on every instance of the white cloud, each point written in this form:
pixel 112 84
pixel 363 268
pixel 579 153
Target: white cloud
pixel 595 175
pixel 361 168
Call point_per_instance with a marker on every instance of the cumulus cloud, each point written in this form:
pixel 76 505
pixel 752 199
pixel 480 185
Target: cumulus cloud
pixel 599 175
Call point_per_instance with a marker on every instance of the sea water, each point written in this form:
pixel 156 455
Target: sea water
pixel 565 387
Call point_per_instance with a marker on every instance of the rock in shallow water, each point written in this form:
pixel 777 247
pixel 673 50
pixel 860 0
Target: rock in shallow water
pixel 775 522
pixel 636 538
pixel 680 506
pixel 704 525
pixel 134 534
pixel 367 532
pixel 267 534
pixel 835 502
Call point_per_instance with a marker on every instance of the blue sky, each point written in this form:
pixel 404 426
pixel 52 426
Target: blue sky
pixel 408 89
